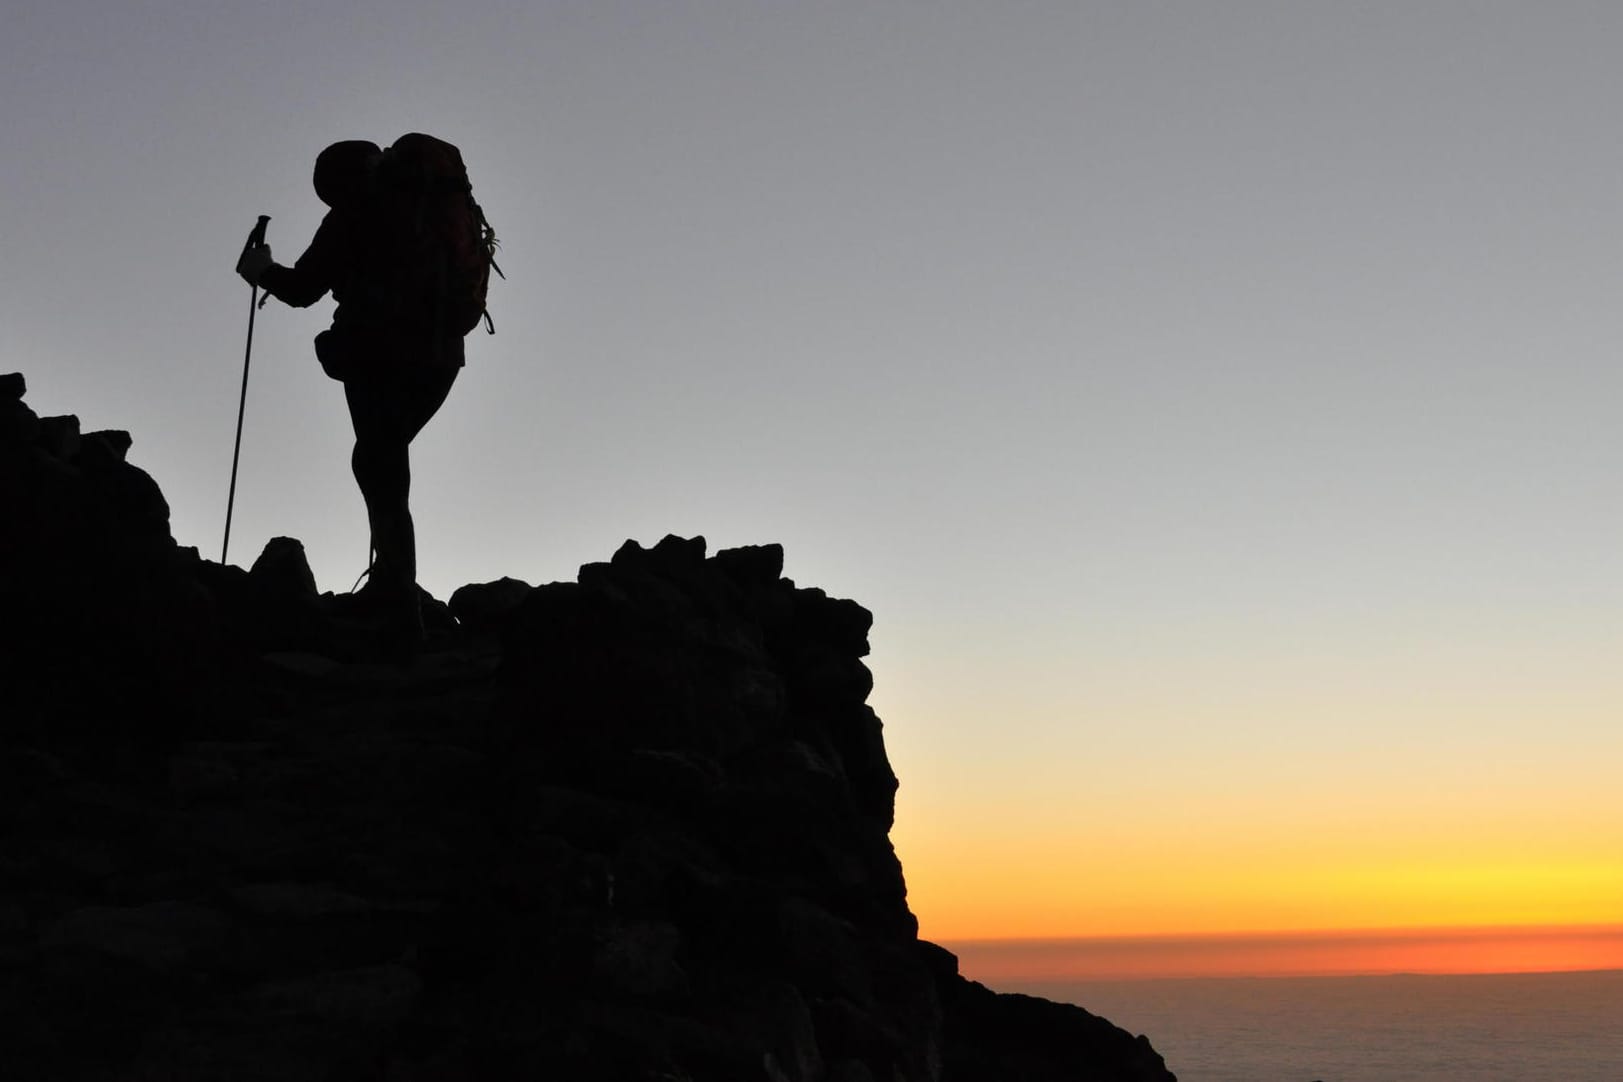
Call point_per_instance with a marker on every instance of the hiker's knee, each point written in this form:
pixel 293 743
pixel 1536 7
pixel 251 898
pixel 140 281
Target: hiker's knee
pixel 381 467
pixel 363 461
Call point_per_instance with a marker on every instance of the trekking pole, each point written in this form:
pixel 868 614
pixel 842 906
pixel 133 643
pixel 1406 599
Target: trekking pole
pixel 256 238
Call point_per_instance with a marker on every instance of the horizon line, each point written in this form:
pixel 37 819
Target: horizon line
pixel 1445 950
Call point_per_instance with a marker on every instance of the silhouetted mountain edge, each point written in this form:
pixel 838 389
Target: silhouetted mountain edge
pixel 631 827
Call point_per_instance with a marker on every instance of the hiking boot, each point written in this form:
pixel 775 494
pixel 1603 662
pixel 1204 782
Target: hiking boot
pixel 380 594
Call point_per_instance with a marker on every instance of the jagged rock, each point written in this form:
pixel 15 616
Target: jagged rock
pixel 752 565
pixel 850 1070
pixel 842 625
pixel 281 608
pixel 194 776
pixel 373 998
pixel 638 961
pixel 325 1026
pixel 794 1055
pixel 482 606
pixel 298 901
pixel 106 445
pixel 627 828
pixel 283 572
pixel 162 936
pixel 991 1036
pixel 19 425
pixel 12 386
pixel 59 437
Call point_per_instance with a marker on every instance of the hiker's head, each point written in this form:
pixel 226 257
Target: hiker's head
pixel 344 170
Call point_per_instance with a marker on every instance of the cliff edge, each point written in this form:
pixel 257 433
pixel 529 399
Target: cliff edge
pixel 632 827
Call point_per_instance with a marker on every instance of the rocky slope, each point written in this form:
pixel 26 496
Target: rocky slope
pixel 632 827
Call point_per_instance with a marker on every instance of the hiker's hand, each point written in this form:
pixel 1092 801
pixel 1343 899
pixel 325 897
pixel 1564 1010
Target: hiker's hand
pixel 253 263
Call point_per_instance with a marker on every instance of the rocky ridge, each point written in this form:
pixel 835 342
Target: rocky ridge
pixel 631 827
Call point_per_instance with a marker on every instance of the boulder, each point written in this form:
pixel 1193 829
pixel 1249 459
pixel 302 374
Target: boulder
pixel 482 606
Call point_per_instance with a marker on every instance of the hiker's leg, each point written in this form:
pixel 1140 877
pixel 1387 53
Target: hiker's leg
pixel 428 393
pixel 387 416
pixel 383 471
pixel 384 474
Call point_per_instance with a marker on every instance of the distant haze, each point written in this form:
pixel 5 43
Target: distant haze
pixel 1522 949
pixel 1217 404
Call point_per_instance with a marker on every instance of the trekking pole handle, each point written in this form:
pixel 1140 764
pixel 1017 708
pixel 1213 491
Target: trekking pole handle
pixel 256 237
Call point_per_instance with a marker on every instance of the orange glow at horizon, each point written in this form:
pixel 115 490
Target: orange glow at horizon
pixel 1348 953
pixel 1256 797
pixel 1017 891
pixel 975 874
pixel 1287 811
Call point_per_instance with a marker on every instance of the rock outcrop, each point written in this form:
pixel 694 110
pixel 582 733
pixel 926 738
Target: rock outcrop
pixel 632 827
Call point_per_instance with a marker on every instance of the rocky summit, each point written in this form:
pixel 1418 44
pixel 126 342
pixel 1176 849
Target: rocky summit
pixel 632 827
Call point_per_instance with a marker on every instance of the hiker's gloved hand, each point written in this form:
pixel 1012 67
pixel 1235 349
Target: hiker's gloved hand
pixel 253 263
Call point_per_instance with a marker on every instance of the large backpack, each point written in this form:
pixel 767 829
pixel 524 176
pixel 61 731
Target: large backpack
pixel 444 249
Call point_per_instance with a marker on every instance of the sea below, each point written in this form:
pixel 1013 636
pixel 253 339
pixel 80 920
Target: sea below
pixel 1516 1027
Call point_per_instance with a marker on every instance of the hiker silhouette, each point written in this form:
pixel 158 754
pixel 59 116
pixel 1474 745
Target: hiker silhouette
pixel 405 253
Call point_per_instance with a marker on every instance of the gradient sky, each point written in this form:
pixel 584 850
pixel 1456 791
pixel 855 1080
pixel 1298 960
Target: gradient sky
pixel 1217 404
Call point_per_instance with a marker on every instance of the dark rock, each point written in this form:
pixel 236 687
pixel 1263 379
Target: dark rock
pixel 850 1032
pixel 668 779
pixel 841 625
pixel 103 449
pixel 372 998
pixel 298 901
pixel 638 961
pixel 438 622
pixel 134 497
pixel 12 386
pixel 281 571
pixel 201 776
pixel 824 953
pixel 671 555
pixel 628 828
pixel 793 1054
pixel 325 1026
pixel 59 437
pixel 162 937
pixel 483 606
pixel 19 425
pixel 991 1036
pixel 280 608
pixel 673 552
pixel 752 565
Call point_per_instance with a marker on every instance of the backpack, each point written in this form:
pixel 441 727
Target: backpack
pixel 444 249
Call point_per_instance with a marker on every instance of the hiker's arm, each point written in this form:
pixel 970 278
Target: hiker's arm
pixel 309 279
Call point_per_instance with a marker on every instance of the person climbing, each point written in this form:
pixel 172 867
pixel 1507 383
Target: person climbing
pixel 406 253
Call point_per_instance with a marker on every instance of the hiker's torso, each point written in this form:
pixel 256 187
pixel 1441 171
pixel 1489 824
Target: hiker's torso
pixel 358 254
